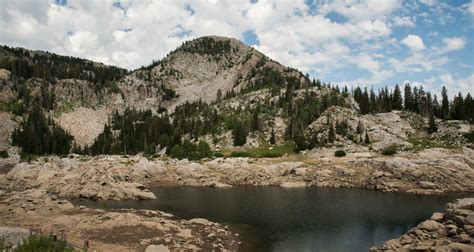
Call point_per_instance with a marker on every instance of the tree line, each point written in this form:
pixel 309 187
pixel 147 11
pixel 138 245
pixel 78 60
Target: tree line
pixel 417 100
pixel 49 66
pixel 39 135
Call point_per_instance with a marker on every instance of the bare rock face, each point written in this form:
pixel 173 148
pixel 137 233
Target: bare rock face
pixel 12 236
pixel 450 231
pixel 92 179
pixel 85 124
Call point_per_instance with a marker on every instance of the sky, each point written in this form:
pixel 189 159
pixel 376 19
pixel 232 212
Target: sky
pixel 367 43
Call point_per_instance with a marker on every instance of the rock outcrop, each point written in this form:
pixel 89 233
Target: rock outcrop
pixel 452 230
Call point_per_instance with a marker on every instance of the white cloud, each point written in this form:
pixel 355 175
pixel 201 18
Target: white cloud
pixel 470 7
pixel 362 10
pixel 454 86
pixel 429 2
pixel 454 43
pixel 405 21
pixel 414 42
pixel 362 43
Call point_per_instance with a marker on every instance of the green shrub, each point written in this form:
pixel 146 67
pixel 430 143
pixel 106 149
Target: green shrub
pixel 218 154
pixel 390 150
pixel 44 243
pixel 3 154
pixel 340 153
pixel 239 154
pixel 470 137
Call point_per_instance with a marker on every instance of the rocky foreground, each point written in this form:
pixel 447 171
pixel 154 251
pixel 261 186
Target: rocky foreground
pixel 113 230
pixel 452 230
pixel 32 195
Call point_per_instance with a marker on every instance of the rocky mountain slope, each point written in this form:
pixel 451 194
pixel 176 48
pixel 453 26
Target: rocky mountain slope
pixel 234 79
pixel 203 69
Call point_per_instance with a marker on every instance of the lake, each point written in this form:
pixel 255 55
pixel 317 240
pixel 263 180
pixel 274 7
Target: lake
pixel 296 219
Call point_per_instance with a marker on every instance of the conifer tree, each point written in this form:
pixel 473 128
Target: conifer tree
pixel 408 100
pixel 367 139
pixel 444 104
pixel 397 98
pixel 272 137
pixel 331 134
pixel 432 123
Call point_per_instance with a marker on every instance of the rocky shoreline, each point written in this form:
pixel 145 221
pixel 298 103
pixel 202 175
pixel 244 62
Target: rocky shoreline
pixel 431 171
pixel 452 230
pixel 112 230
pixel 32 193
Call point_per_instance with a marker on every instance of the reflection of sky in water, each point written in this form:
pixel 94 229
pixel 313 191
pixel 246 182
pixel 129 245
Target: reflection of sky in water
pixel 297 219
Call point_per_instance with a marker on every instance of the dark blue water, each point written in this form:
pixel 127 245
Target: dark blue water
pixel 297 219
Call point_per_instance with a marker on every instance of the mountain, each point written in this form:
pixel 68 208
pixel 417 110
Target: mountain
pixel 212 89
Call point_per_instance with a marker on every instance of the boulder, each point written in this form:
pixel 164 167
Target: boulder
pixel 293 184
pixel 212 237
pixel 427 185
pixel 148 168
pixel 430 225
pixel 437 216
pixel 157 248
pixel 470 219
pixel 455 246
pixel 200 221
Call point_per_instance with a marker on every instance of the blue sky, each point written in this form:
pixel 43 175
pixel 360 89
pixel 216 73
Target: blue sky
pixel 370 42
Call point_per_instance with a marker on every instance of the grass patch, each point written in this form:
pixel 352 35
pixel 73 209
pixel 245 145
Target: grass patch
pixel 277 151
pixel 13 107
pixel 26 157
pixel 218 154
pixel 44 243
pixel 65 107
pixel 421 143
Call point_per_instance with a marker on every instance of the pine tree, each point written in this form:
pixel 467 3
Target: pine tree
pixel 469 108
pixel 397 98
pixel 458 107
pixel 367 139
pixel 204 150
pixel 408 97
pixel 432 123
pixel 272 137
pixel 331 134
pixel 360 127
pixel 444 104
pixel 240 135
pixel 177 152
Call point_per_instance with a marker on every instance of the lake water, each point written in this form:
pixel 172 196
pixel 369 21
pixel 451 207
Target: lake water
pixel 296 219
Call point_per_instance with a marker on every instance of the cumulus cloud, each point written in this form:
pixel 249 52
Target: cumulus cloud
pixel 470 7
pixel 454 43
pixel 405 21
pixel 414 42
pixel 457 85
pixel 131 33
